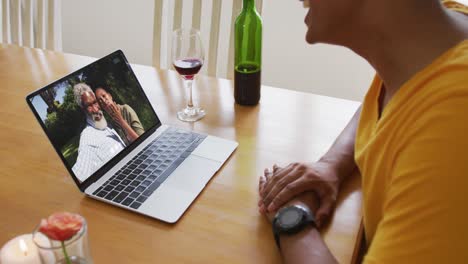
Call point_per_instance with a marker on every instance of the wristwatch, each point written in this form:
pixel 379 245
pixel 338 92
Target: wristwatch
pixel 290 220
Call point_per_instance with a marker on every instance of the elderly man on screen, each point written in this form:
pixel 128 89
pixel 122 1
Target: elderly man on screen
pixel 98 142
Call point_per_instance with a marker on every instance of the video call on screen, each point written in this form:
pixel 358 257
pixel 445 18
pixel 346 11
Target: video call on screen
pixel 92 115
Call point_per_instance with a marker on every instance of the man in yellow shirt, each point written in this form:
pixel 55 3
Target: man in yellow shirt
pixel 407 140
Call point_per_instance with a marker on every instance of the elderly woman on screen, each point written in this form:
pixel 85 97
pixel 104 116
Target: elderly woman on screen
pixel 124 119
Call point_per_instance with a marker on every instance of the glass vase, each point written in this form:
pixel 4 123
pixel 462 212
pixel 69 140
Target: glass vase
pixel 72 251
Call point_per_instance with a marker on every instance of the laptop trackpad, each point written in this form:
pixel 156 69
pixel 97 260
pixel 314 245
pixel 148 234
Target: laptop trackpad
pixel 176 194
pixel 167 204
pixel 192 174
pixel 215 148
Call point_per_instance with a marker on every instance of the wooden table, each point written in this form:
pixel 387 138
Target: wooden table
pixel 223 224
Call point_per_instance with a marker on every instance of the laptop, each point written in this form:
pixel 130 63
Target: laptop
pixel 110 139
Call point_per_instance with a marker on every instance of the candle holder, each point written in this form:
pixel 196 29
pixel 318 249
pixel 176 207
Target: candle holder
pixel 21 250
pixel 72 251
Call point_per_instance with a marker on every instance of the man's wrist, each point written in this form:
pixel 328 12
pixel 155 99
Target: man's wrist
pixel 288 239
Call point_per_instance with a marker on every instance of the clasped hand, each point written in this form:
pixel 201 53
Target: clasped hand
pixel 113 110
pixel 315 185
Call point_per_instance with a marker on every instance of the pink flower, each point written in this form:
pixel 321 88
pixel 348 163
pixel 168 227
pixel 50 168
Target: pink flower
pixel 61 226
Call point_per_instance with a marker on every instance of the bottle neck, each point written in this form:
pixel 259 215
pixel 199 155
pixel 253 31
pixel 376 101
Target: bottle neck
pixel 248 5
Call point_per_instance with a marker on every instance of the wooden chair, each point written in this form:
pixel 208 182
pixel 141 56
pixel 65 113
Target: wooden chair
pixel 214 18
pixel 31 23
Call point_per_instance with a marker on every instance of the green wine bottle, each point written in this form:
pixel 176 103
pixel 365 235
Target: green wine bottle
pixel 247 55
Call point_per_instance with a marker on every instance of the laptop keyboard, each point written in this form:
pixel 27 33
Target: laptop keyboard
pixel 142 175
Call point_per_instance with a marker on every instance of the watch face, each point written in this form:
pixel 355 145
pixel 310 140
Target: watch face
pixel 290 218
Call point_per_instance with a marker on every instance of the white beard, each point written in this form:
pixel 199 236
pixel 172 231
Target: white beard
pixel 101 124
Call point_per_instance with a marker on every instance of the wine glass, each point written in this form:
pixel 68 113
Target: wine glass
pixel 187 58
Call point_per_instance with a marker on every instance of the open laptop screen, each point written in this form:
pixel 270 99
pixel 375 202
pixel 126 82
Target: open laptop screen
pixel 94 114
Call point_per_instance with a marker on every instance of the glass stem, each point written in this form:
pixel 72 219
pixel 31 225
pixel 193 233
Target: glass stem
pixel 188 84
pixel 67 258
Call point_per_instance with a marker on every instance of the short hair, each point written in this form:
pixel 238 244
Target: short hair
pixel 78 90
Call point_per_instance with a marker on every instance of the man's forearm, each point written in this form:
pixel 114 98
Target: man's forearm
pixel 341 153
pixel 306 246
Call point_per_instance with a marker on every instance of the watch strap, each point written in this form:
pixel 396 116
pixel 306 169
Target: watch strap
pixel 276 233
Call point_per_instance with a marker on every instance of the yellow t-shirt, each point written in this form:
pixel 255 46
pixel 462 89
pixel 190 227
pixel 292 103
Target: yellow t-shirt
pixel 414 165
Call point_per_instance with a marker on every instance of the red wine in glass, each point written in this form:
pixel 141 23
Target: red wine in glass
pixel 188 67
pixel 187 57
